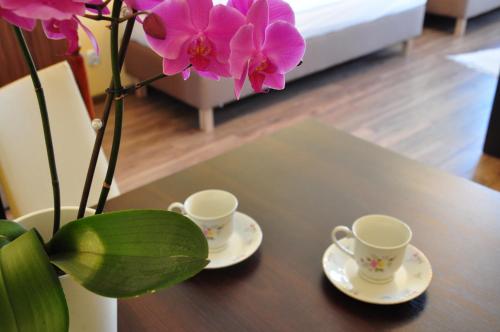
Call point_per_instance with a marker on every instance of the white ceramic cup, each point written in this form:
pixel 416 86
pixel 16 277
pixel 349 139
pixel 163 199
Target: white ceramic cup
pixel 379 246
pixel 213 211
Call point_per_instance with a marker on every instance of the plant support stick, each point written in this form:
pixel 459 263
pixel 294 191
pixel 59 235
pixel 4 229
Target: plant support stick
pixel 46 126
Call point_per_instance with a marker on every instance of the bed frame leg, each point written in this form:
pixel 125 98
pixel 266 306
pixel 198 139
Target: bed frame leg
pixel 407 46
pixel 206 119
pixel 460 26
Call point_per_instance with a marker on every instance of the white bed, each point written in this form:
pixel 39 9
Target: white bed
pixel 335 30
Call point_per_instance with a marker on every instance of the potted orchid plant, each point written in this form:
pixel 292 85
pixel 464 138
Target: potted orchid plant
pixel 128 253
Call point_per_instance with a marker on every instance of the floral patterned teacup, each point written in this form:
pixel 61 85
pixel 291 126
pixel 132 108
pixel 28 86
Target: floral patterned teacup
pixel 213 211
pixel 379 246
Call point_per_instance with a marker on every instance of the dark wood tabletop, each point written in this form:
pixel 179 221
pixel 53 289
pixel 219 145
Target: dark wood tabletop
pixel 300 183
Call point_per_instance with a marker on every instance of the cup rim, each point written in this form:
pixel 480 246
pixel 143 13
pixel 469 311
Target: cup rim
pixel 233 197
pixel 399 246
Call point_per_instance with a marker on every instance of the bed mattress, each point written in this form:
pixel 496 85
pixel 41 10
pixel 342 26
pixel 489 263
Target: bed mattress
pixel 319 17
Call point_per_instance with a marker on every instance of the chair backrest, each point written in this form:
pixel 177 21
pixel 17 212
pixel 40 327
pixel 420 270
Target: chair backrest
pixel 24 171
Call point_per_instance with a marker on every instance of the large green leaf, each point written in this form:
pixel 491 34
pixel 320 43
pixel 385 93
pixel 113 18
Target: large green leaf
pixel 9 231
pixel 31 296
pixel 123 254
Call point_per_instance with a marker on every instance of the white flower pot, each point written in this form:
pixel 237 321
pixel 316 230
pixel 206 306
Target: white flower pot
pixel 88 312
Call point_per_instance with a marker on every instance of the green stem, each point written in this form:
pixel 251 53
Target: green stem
pixel 100 134
pixel 46 125
pixel 117 85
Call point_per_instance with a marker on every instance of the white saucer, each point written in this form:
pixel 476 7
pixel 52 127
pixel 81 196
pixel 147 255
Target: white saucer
pixel 245 240
pixel 411 280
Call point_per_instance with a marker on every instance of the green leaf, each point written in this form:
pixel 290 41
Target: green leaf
pixel 128 253
pixel 9 231
pixel 31 296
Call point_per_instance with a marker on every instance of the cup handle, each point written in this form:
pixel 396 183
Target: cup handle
pixel 177 206
pixel 348 233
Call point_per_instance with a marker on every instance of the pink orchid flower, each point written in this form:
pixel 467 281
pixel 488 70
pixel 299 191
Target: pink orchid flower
pixel 278 9
pixel 45 10
pixel 142 4
pixel 193 32
pixel 12 18
pixel 67 29
pixel 263 50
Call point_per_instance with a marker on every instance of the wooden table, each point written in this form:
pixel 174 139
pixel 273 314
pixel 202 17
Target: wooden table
pixel 298 184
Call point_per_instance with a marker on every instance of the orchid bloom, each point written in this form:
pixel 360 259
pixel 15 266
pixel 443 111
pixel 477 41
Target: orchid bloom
pixel 193 32
pixel 67 29
pixel 45 10
pixel 142 4
pixel 266 48
pixel 12 18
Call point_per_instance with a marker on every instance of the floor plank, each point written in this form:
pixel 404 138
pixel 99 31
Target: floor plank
pixel 423 106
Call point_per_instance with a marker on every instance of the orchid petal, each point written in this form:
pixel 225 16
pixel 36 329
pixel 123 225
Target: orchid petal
pixel 280 10
pixel 242 49
pixel 186 74
pixel 174 15
pixel 275 81
pixel 240 81
pixel 258 15
pixel 46 10
pixel 200 10
pixel 22 22
pixel 65 29
pixel 284 46
pixel 223 24
pixel 142 4
pixel 241 5
pixel 176 66
pixel 208 74
pixel 90 35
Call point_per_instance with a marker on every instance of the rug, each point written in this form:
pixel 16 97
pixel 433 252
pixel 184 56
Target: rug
pixel 485 61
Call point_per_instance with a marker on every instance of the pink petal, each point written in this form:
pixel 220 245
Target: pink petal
pixel 209 75
pixel 223 24
pixel 65 29
pixel 218 69
pixel 142 4
pixel 275 81
pixel 279 10
pixel 284 46
pixel 200 10
pixel 177 23
pixel 46 10
pixel 258 15
pixel 240 81
pixel 22 22
pixel 91 36
pixel 241 5
pixel 257 80
pixel 176 66
pixel 186 74
pixel 242 49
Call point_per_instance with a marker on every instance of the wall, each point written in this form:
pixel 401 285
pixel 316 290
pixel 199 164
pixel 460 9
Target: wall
pixel 99 75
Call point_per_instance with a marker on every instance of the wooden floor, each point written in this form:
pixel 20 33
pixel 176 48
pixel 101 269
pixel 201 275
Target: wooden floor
pixel 423 106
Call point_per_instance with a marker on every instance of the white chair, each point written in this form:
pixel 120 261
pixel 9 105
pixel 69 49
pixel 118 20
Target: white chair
pixel 24 171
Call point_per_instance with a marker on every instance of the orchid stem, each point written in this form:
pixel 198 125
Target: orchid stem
pixel 46 126
pixel 117 84
pixel 100 134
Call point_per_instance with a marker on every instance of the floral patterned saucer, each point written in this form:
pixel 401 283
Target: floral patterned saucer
pixel 411 280
pixel 245 240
